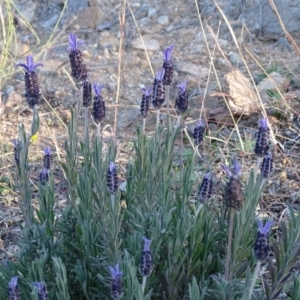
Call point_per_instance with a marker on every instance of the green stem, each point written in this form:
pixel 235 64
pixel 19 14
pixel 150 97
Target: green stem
pixel 86 126
pixel 157 118
pixel 255 274
pixel 144 283
pixel 144 124
pixel 167 97
pixel 228 255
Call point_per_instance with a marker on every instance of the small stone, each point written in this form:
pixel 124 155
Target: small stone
pixel 149 43
pixel 89 18
pixel 163 20
pixel 193 69
pixel 152 11
pixel 273 81
pixel 235 58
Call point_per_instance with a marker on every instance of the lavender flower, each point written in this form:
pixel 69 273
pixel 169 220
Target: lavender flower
pixel 158 96
pixel 98 111
pixel 261 246
pixel 262 141
pixel 116 284
pixel 87 93
pixel 168 66
pixel 145 266
pixel 145 104
pixel 182 101
pixel 13 289
pixel 78 69
pixel 32 86
pixel 44 176
pixel 267 165
pixel 112 178
pixel 17 149
pixel 47 158
pixel 205 189
pixel 42 290
pixel 198 133
pixel 233 193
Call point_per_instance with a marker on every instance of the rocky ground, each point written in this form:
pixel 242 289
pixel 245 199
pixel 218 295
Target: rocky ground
pixel 220 65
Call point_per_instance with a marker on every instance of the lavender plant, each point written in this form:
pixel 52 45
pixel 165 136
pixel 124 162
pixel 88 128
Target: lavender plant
pixel 67 254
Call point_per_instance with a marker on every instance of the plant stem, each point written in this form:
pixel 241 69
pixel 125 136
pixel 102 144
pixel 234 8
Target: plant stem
pixel 157 118
pixel 144 284
pixel 98 129
pixel 144 124
pixel 228 255
pixel 86 126
pixel 255 274
pixel 167 97
pixel 257 167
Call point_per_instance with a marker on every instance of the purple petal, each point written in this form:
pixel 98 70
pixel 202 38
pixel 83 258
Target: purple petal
pixel 112 166
pixel 97 89
pixel 263 123
pixel 182 87
pixel 147 244
pixel 208 175
pixel 47 151
pixel 30 66
pixel 147 91
pixel 13 283
pixel 236 166
pixel 264 229
pixel 227 170
pixel 160 74
pixel 115 271
pixel 200 123
pixel 168 53
pixel 74 43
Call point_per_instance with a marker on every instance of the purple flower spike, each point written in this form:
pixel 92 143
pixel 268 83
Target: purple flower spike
pixel 146 264
pixel 99 110
pixel 112 178
pixel 263 136
pixel 168 66
pixel 168 53
pixel 74 42
pixel 198 133
pixel 205 189
pixel 116 284
pixel 97 89
pixel 233 193
pixel 261 245
pixel 78 69
pixel 158 96
pixel 47 158
pixel 30 66
pixel 182 101
pixel 145 103
pixel 32 86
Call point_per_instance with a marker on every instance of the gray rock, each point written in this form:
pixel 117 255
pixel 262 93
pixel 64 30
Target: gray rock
pixel 150 43
pixel 258 16
pixel 163 20
pixel 192 69
pixel 152 11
